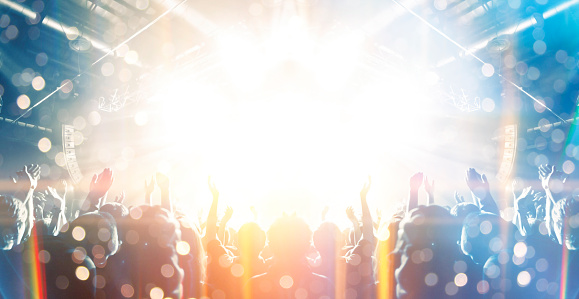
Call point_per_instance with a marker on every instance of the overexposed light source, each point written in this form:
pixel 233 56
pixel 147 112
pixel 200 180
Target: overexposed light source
pixel 280 132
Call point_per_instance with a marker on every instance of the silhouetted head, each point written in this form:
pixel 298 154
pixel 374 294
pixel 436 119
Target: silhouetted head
pixel 289 238
pixel 251 239
pixel 119 213
pixel 463 209
pixel 328 238
pixel 12 219
pixel 566 221
pixel 96 233
pixel 484 235
pixel 117 210
pixel 426 243
pixel 153 227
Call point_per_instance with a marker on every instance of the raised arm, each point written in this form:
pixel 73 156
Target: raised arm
pixel 27 183
pixel 149 189
pixel 223 223
pixel 165 186
pixel 211 224
pixel 429 188
pixel 99 187
pixel 480 189
pixel 355 223
pixel 58 211
pixel 458 198
pixel 378 220
pixel 545 174
pixel 367 224
pixel 121 197
pixel 521 204
pixel 415 182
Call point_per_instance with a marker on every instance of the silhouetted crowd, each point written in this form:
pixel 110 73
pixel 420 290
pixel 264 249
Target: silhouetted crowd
pixel 104 249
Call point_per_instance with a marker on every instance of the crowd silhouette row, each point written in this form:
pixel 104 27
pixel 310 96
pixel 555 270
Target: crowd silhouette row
pixel 105 249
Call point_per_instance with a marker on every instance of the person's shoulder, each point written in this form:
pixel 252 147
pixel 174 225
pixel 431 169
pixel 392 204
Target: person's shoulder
pixel 492 267
pixel 319 276
pixel 259 277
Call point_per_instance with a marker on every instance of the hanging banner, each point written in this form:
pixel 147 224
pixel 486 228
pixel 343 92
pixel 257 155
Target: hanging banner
pixel 70 153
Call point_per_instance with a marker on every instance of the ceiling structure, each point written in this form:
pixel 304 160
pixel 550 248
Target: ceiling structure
pixel 123 46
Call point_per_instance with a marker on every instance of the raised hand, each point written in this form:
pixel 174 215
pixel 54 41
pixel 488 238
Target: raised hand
pixel 355 222
pixel 429 188
pixel 227 215
pixel 211 229
pixel 39 204
pixel 58 218
pixel 61 188
pixel 101 183
pixel 162 181
pixel 164 184
pixel 28 177
pixel 213 188
pixel 99 187
pixel 58 201
pixel 458 198
pixel 545 174
pixel 415 181
pixel 40 197
pixel 477 183
pixel 366 188
pixel 351 215
pixel 524 198
pixel 120 198
pixel 367 223
pixel 378 219
pixel 150 187
pixel 540 207
pixel 481 191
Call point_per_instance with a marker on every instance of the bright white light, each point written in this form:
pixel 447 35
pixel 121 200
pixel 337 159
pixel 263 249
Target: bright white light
pixel 282 143
pixel 331 60
pixel 280 151
pixel 242 60
pixel 337 58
